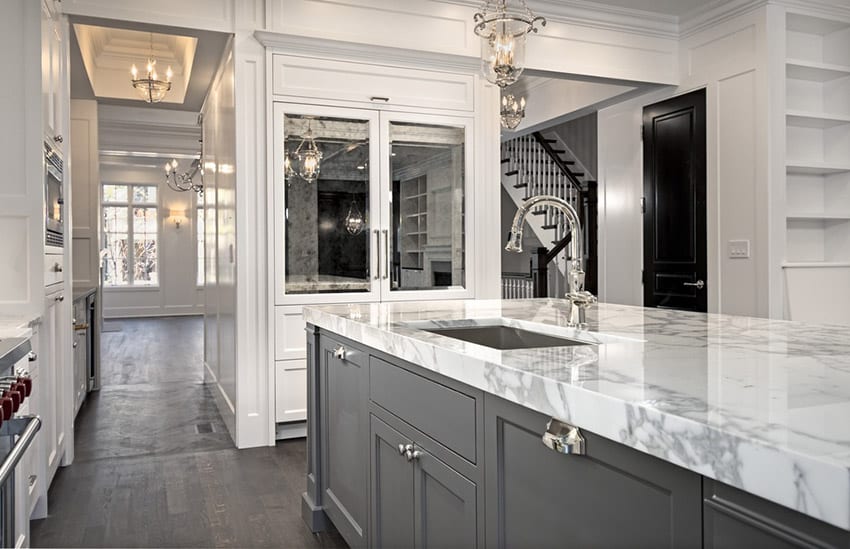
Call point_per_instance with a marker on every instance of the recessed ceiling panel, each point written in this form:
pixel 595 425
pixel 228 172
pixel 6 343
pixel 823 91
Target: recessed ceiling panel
pixel 108 54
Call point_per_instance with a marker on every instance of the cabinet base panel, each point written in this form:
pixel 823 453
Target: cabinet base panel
pixel 284 431
pixel 315 517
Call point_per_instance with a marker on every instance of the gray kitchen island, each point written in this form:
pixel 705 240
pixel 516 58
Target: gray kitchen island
pixel 494 423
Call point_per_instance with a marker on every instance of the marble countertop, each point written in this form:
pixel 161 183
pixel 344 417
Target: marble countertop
pixel 762 405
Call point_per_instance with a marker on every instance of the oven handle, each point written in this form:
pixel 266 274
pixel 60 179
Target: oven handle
pixel 26 428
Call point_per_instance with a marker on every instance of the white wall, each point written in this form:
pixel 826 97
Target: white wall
pixel 730 61
pixel 177 293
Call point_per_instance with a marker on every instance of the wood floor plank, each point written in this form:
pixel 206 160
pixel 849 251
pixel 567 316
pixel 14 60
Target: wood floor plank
pixel 155 466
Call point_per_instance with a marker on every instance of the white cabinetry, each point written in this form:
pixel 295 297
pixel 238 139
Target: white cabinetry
pixel 52 366
pixel 54 73
pixel 817 79
pixel 391 215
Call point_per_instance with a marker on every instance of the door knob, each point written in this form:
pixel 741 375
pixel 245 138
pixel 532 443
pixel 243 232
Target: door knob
pixel 699 284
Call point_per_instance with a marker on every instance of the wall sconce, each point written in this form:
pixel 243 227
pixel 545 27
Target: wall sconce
pixel 177 217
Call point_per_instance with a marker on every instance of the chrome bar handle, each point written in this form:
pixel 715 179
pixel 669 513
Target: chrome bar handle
pixel 378 252
pixel 564 438
pixel 699 284
pixel 386 254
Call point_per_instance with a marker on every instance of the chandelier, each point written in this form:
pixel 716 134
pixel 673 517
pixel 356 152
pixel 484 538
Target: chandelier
pixel 182 182
pixel 307 158
pixel 151 88
pixel 512 111
pixel 354 221
pixel 503 30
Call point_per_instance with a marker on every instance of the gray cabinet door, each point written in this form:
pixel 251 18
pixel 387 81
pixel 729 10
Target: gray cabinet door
pixel 445 507
pixel 612 497
pixel 345 435
pixel 392 488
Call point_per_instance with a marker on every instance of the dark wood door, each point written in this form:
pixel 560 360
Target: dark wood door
pixel 675 238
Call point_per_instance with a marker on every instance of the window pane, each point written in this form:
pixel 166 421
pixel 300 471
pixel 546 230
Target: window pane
pixel 145 269
pixel 116 243
pixel 200 232
pixel 144 194
pixel 115 193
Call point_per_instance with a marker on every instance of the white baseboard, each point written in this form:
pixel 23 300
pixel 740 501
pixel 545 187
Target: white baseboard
pixel 285 431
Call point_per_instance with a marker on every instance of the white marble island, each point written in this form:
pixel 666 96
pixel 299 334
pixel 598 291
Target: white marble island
pixel 760 405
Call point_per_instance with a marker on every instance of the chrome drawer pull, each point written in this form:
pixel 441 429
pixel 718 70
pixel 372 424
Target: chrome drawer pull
pixel 564 438
pixel 699 284
pixel 340 352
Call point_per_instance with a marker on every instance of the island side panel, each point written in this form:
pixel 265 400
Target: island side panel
pixel 311 505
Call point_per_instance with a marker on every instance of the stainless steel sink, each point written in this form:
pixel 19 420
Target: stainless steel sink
pixel 505 338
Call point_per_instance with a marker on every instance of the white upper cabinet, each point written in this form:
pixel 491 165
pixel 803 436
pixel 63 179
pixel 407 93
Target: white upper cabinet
pixel 386 216
pixel 52 73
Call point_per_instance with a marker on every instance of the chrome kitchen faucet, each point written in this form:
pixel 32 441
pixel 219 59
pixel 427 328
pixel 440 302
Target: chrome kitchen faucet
pixel 579 298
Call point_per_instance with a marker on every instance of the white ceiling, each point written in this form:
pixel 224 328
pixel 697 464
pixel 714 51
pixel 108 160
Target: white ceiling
pixel 666 7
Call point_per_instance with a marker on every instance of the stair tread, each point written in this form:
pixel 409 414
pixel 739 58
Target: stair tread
pixel 512 172
pixel 520 185
pixel 505 160
pixel 552 226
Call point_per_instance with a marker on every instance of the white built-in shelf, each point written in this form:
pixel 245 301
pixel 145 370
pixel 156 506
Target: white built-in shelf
pixel 420 214
pixel 809 24
pixel 816 265
pixel 800 69
pixel 804 119
pixel 411 197
pixel 817 168
pixel 820 215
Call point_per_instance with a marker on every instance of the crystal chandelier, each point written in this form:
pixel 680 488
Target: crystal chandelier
pixel 151 88
pixel 182 182
pixel 354 222
pixel 503 30
pixel 512 111
pixel 308 157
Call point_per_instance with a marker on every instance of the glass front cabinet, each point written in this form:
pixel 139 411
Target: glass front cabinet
pixel 371 205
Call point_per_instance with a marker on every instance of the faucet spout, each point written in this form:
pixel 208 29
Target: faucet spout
pixel 578 297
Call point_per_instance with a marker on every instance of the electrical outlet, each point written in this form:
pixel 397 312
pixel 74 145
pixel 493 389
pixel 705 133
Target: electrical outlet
pixel 739 249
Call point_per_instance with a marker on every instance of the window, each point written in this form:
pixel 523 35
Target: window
pixel 130 235
pixel 200 227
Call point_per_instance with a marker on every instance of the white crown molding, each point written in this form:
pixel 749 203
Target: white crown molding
pixel 718 12
pixel 595 15
pixel 307 46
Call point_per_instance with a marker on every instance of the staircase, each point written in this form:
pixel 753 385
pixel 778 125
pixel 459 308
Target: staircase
pixel 541 163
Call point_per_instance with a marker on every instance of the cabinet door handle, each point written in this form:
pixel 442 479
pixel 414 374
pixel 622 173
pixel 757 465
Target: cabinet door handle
pixel 378 252
pixel 564 438
pixel 74 345
pixel 404 448
pixel 386 254
pixel 60 298
pixel 413 455
pixel 32 357
pixel 382 99
pixel 57 268
pixel 699 284
pixel 340 353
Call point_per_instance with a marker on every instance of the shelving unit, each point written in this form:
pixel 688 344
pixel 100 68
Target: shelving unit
pixel 817 152
pixel 817 140
pixel 414 229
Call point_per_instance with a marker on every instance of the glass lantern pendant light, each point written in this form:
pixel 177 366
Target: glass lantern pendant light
pixel 151 88
pixel 354 222
pixel 308 157
pixel 503 30
pixel 512 111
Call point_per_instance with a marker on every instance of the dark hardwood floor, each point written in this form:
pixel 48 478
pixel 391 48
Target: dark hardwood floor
pixel 155 466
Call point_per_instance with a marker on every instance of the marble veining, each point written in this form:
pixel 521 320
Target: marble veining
pixel 762 405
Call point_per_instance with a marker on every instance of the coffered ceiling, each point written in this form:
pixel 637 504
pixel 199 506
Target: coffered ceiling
pixel 102 52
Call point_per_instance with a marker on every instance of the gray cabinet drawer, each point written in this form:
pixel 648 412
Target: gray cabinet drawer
pixel 443 413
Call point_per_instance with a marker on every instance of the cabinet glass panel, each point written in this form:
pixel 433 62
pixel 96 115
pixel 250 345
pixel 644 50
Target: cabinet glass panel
pixel 326 205
pixel 427 165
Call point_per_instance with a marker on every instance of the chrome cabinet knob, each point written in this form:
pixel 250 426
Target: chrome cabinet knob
pixel 57 268
pixel 74 345
pixel 60 298
pixel 58 138
pixel 412 455
pixel 699 284
pixel 404 448
pixel 32 357
pixel 340 352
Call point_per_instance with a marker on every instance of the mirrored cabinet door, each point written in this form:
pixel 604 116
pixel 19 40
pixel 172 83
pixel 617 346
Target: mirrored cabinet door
pixel 427 161
pixel 328 202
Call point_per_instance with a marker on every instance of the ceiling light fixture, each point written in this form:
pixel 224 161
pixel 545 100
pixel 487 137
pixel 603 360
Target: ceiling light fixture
pixel 151 88
pixel 182 182
pixel 308 157
pixel 512 111
pixel 354 222
pixel 503 30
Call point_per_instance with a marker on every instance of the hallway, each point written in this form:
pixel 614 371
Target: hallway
pixel 155 466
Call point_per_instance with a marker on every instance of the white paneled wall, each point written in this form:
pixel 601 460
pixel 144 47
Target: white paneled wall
pixel 85 180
